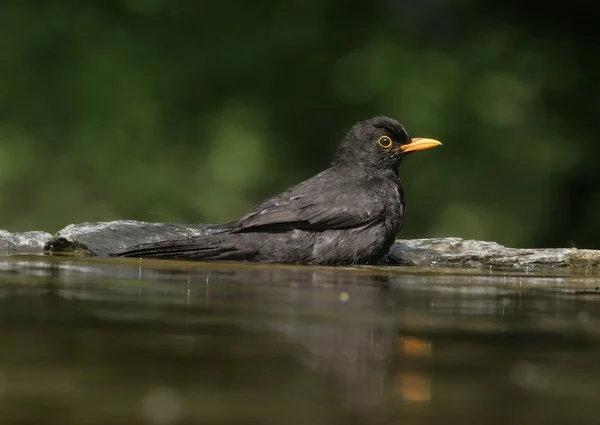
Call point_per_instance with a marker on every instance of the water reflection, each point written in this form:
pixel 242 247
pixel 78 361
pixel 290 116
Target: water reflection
pixel 170 342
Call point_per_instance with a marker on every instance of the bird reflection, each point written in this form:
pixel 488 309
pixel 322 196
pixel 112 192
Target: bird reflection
pixel 335 318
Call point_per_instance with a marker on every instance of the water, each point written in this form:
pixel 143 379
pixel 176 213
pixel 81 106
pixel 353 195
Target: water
pixel 92 341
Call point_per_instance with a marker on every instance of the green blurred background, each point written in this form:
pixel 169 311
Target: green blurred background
pixel 194 111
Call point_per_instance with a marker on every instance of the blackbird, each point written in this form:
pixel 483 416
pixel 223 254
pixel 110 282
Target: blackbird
pixel 349 213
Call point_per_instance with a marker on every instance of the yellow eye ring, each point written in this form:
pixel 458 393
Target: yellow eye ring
pixel 385 142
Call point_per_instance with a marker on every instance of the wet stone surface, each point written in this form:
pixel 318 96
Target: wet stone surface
pixel 11 243
pixel 101 238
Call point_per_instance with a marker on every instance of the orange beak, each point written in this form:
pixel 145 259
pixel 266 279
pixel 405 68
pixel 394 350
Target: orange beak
pixel 418 144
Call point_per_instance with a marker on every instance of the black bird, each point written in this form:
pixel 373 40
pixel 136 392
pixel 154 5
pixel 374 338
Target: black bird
pixel 349 213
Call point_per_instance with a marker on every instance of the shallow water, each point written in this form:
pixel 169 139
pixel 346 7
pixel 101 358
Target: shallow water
pixel 92 341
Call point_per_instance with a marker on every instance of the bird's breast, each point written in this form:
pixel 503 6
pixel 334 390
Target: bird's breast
pixel 370 242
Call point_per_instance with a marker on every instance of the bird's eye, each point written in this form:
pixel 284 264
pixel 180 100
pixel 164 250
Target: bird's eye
pixel 385 142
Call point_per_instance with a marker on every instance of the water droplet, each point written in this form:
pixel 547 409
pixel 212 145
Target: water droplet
pixel 161 406
pixel 525 374
pixel 583 317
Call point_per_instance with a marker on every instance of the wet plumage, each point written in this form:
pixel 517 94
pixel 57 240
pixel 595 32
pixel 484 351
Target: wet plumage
pixel 349 213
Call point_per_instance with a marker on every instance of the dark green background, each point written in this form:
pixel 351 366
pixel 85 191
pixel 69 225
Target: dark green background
pixel 193 111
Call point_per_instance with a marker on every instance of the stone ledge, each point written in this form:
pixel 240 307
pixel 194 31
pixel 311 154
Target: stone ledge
pixel 102 238
pixel 26 242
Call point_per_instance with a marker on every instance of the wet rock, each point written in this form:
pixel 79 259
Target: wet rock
pixel 102 238
pixel 25 242
pixel 472 253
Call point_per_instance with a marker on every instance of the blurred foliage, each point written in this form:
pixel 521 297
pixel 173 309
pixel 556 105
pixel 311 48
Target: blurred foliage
pixel 194 111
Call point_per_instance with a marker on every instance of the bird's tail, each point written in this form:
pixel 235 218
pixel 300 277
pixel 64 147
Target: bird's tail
pixel 213 247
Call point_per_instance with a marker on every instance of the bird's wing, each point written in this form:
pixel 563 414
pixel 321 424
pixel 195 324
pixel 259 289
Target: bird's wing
pixel 319 203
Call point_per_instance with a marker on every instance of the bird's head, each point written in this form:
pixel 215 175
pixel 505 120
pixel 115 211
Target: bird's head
pixel 379 142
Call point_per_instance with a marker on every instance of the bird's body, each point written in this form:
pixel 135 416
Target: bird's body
pixel 349 213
